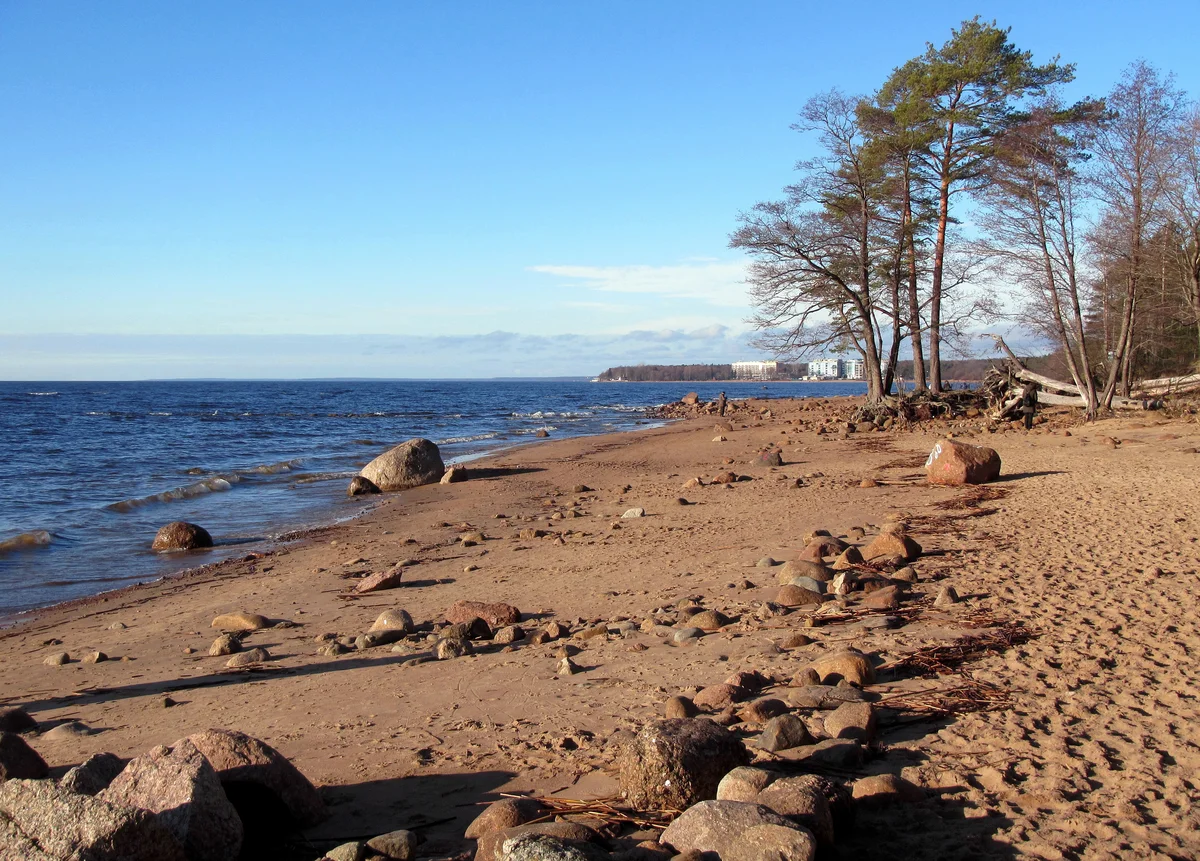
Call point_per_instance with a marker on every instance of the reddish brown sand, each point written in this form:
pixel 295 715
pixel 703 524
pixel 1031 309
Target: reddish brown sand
pixel 1093 546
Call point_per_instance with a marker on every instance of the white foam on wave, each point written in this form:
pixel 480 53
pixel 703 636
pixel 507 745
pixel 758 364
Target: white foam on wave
pixel 42 394
pixel 475 438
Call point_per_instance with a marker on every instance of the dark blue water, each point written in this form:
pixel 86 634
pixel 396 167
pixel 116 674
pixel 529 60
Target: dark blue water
pixel 90 471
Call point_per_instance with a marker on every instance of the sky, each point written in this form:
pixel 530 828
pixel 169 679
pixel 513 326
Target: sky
pixel 452 189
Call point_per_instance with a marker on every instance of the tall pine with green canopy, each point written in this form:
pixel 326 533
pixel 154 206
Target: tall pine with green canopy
pixel 959 97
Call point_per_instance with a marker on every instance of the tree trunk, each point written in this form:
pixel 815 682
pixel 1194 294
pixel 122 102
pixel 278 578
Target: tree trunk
pixel 914 298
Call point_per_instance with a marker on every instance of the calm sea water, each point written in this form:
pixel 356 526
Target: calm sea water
pixel 90 471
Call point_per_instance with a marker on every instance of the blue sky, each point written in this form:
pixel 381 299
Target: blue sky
pixel 426 174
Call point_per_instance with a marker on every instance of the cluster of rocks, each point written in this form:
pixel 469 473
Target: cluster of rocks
pixel 729 808
pixel 464 625
pixel 207 797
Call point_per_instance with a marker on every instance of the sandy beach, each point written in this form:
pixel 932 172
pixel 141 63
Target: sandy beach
pixel 1086 746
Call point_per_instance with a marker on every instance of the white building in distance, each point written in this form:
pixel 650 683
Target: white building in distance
pixel 854 369
pixel 755 370
pixel 827 368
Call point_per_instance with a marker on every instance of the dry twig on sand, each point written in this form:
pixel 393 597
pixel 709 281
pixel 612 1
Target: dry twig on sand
pixel 943 658
pixel 604 809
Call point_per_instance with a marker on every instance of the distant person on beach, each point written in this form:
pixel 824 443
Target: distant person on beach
pixel 1029 404
pixel 721 404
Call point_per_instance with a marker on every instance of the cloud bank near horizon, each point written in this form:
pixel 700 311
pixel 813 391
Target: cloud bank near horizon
pixel 494 354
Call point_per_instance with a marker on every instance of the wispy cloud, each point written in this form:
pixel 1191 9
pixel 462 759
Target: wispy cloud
pixel 715 283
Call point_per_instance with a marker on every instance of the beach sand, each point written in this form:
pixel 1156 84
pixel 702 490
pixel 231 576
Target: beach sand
pixel 1091 544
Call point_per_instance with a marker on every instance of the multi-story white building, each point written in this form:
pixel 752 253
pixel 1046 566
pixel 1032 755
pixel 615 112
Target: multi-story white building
pixel 755 370
pixel 827 368
pixel 854 369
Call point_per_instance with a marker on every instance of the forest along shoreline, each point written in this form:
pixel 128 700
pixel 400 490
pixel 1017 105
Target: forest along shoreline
pixel 997 679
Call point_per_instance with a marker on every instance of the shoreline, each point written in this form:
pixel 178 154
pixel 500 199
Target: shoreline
pixel 399 741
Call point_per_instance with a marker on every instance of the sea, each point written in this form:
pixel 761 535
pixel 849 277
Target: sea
pixel 89 471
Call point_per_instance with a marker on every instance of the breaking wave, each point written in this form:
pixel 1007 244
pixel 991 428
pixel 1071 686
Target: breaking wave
pixel 25 541
pixel 213 484
pixel 475 438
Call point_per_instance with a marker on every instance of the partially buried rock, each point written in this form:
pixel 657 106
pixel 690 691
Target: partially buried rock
pixel 19 761
pixel 783 733
pixel 849 664
pixel 451 647
pixel 16 719
pixel 93 774
pixel 240 621
pixel 761 711
pixel 633 513
pixel 709 620
pixel 409 464
pixel 505 813
pixel 181 535
pixel 454 475
pixel 852 720
pixel 381 580
pixel 947 596
pixel 890 544
pixel 360 486
pixel 40 821
pixel 254 773
pixel 772 843
pixel 675 763
pixel 955 463
pixel 182 788
pixel 796 596
pixel 719 696
pixel 794 568
pixel 392 625
pixel 497 615
pixel 883 789
pixel 508 634
pixel 396 845
pixel 719 826
pixel 770 457
pixel 257 655
pixel 679 707
pixel 226 644
pixel 546 847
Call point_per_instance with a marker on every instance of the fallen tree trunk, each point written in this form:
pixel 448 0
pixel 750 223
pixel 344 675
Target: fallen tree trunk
pixel 1117 404
pixel 1168 385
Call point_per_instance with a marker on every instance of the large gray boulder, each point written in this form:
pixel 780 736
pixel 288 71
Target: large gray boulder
pixel 44 822
pixel 181 787
pixel 673 763
pixel 724 827
pixel 409 464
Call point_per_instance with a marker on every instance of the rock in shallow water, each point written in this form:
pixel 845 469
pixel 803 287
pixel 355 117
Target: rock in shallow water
pixel 181 535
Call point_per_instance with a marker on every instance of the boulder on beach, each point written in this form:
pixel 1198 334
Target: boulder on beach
pixel 690 399
pixel 409 464
pixel 93 774
pixel 257 778
pixel 240 621
pixel 454 475
pixel 676 762
pixel 380 580
pixel 956 463
pixel 181 535
pixel 16 719
pixel 180 786
pixel 496 614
